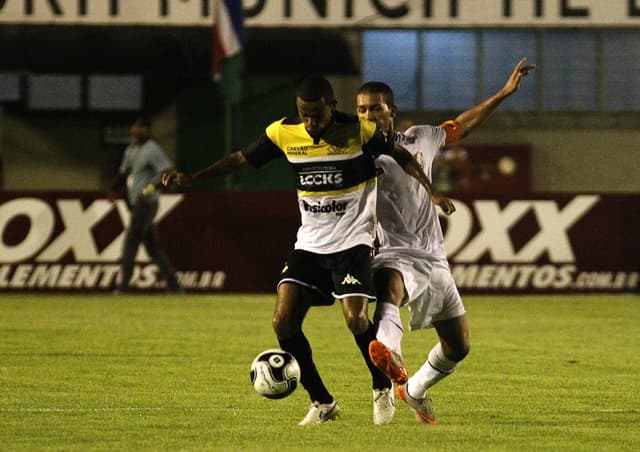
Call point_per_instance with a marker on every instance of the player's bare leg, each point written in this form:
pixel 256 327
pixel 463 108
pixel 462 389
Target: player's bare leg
pixel 292 305
pixel 355 311
pixel 356 314
pixel 454 337
pixel 443 359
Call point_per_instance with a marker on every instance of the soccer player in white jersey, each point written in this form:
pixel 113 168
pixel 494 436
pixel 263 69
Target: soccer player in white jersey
pixel 411 266
pixel 333 157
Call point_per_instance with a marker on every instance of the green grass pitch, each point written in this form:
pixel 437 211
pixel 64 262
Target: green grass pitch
pixel 88 372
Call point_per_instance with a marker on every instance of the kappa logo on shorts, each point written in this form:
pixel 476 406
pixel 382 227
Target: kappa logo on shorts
pixel 350 280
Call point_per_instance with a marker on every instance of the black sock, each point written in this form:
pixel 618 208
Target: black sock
pixel 378 378
pixel 300 348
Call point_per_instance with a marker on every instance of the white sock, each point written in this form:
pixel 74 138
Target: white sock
pixel 390 331
pixel 432 371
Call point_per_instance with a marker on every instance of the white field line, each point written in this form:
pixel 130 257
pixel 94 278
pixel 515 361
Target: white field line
pixel 111 409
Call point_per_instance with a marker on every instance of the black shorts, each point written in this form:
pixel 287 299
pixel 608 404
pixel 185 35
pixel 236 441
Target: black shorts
pixel 336 275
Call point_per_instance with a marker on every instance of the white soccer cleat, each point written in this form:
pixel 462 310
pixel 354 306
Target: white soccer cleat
pixel 384 406
pixel 422 407
pixel 319 413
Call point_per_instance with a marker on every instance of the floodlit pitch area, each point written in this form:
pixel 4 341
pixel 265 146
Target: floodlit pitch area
pixel 172 373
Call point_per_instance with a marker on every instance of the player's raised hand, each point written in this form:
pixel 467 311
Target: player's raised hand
pixel 177 178
pixel 521 70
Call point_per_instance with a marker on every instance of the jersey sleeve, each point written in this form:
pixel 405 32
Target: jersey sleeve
pixel 261 151
pixel 453 130
pixel 427 139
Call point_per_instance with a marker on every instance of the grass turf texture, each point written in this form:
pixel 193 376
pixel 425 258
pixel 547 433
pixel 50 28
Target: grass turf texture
pixel 172 373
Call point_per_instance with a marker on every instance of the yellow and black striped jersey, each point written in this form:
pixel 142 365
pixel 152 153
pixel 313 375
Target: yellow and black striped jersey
pixel 335 178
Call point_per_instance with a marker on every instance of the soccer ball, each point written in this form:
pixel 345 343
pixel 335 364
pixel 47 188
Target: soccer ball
pixel 275 373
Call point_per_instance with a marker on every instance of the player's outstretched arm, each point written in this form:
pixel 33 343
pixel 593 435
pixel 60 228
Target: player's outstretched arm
pixel 475 116
pixel 222 167
pixel 411 166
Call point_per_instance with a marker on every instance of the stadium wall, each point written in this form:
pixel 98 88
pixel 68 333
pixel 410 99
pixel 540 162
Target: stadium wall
pixel 80 149
pixel 39 153
pixel 71 242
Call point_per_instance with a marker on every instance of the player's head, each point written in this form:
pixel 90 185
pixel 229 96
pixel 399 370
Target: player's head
pixel 374 102
pixel 141 129
pixel 315 102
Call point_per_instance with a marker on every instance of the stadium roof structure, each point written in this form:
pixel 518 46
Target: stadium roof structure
pixel 167 51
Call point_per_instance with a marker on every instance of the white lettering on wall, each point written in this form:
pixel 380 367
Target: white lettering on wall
pixel 77 235
pixel 495 223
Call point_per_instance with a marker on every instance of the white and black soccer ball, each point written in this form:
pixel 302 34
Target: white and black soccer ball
pixel 275 373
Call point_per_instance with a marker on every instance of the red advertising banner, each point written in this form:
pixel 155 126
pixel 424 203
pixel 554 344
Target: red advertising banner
pixel 238 242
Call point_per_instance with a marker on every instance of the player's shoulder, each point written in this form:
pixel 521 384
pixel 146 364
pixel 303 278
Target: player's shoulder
pixel 285 121
pixel 341 117
pixel 289 121
pixel 152 143
pixel 152 146
pixel 276 127
pixel 422 130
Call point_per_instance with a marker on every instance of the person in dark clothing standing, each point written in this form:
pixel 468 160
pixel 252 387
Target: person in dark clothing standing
pixel 142 165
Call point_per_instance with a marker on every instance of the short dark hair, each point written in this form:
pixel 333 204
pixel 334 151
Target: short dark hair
pixel 314 88
pixel 378 88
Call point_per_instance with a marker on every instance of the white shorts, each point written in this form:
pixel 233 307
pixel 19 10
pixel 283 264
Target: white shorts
pixel 431 291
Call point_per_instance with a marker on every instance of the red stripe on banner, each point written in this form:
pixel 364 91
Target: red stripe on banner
pixel 562 243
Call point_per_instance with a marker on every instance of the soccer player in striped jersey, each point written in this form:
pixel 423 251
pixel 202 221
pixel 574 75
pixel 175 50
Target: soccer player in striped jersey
pixel 332 155
pixel 411 266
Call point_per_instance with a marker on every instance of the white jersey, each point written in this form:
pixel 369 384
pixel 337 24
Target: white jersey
pixel 410 235
pixel 406 216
